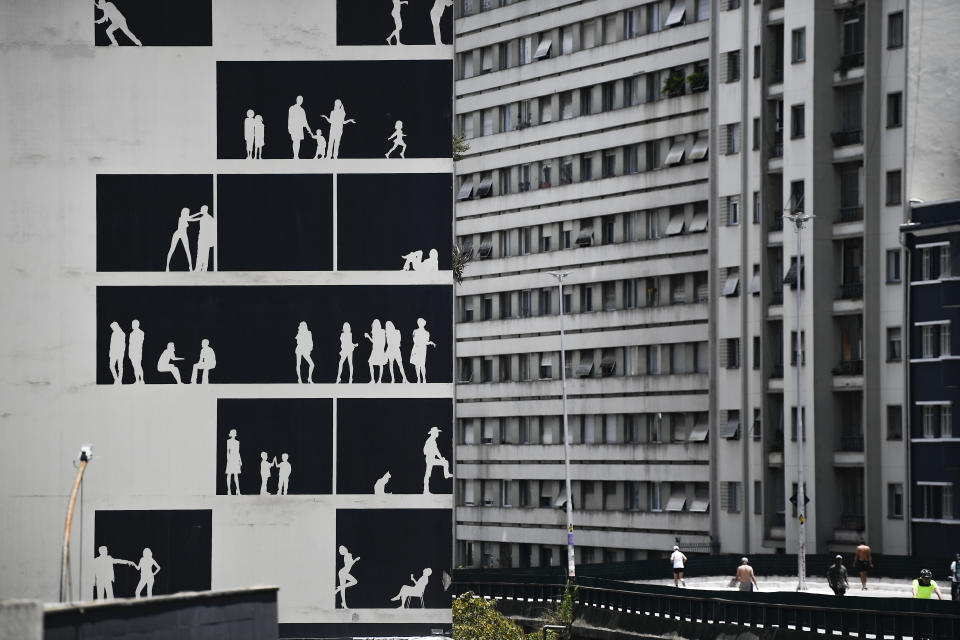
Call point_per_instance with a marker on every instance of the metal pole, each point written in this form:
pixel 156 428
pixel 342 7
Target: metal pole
pixel 65 591
pixel 571 566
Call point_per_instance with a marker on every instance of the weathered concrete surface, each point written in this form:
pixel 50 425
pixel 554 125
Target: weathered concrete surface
pixel 21 620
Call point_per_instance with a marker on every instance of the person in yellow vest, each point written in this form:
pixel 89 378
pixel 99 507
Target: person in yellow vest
pixel 925 586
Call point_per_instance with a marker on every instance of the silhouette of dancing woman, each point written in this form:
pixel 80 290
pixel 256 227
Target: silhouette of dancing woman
pixel 146 568
pixel 393 352
pixel 180 237
pixel 234 463
pixel 338 118
pixel 378 355
pixel 347 345
pixel 344 578
pixel 397 22
pixel 304 349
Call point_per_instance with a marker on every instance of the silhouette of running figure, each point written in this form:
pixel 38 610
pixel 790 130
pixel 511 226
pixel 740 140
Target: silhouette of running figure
pixel 283 473
pixel 103 573
pixel 347 345
pixel 266 467
pixel 304 348
pixel 432 458
pixel 344 579
pixel 208 361
pixel 321 145
pixel 206 239
pixel 234 463
pixel 393 352
pixel 117 22
pixel 418 354
pixel 118 345
pixel 380 486
pixel 378 356
pixel 436 13
pixel 296 123
pixel 248 126
pixel 259 130
pixel 397 22
pixel 397 136
pixel 165 363
pixel 415 590
pixel 135 351
pixel 180 237
pixel 146 568
pixel 338 118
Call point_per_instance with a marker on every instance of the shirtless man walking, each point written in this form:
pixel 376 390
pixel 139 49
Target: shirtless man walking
pixel 744 577
pixel 862 561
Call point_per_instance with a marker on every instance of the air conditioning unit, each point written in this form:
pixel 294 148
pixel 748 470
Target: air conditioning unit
pixel 488 502
pixel 486 440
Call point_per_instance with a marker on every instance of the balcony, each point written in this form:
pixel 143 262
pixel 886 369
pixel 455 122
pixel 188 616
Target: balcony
pixel 850 60
pixel 850 214
pixel 847 137
pixel 776 221
pixel 851 291
pixel 849 368
pixel 776 371
pixel 851 444
pixel 776 297
pixel 851 522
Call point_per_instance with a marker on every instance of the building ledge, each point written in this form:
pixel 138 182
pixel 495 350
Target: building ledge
pixel 848 458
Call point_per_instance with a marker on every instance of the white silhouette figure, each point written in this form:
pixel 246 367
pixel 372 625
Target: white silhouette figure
pixel 432 458
pixel 397 22
pixel 378 345
pixel 234 463
pixel 304 348
pixel 248 127
pixel 206 239
pixel 415 590
pixel 296 123
pixel 321 145
pixel 397 136
pixel 259 130
pixel 337 118
pixel 165 363
pixel 393 352
pixel 117 22
pixel 283 473
pixel 347 345
pixel 344 579
pixel 436 13
pixel 414 261
pixel 103 573
pixel 208 361
pixel 380 486
pixel 146 568
pixel 118 345
pixel 266 467
pixel 418 354
pixel 135 351
pixel 180 237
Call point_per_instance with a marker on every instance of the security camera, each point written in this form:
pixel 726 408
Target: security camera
pixel 86 452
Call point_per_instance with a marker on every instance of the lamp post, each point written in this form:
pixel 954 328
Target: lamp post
pixel 571 566
pixel 798 218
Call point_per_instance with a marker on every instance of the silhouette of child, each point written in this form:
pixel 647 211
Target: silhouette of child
pixel 347 345
pixel 397 136
pixel 321 145
pixel 284 474
pixel 259 130
pixel 249 124
pixel 265 468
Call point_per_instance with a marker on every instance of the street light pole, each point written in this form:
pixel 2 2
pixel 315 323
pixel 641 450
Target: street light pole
pixel 571 566
pixel 799 218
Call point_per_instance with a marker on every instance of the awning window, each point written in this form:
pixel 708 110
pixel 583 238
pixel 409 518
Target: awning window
pixel 543 50
pixel 700 505
pixel 675 155
pixel 485 188
pixel 732 428
pixel 676 14
pixel 486 249
pixel 699 222
pixel 675 226
pixel 730 286
pixel 676 503
pixel 791 277
pixel 700 147
pixel 466 190
pixel 585 239
pixel 584 370
pixel 699 433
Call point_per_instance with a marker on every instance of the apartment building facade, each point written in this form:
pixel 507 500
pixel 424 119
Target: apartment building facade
pixel 650 150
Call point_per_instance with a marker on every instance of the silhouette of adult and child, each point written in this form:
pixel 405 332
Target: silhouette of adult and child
pixel 206 238
pixel 103 573
pixel 298 128
pixel 235 465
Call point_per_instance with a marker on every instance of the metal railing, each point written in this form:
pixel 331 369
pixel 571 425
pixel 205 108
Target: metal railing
pixel 776 221
pixel 851 291
pixel 849 136
pixel 851 444
pixel 776 371
pixel 849 368
pixel 851 60
pixel 850 214
pixel 613 604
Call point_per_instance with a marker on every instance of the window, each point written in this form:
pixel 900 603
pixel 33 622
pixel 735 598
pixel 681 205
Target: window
pixel 677 11
pixel 733 353
pixel 756 352
pixel 757 425
pixel 608 92
pixel 586 168
pixel 631 91
pixel 653 86
pixel 733 66
pixel 654 496
pixel 733 4
pixel 796 196
pixel 936 501
pixel 586 101
pixel 893 265
pixel 733 497
pixel 609 164
pixel 468 64
pixel 653 225
pixel 757 498
pixel 566 105
pixel 893 187
pixel 929 415
pixel 928 346
pixel 731 283
pixel 631 159
pixel 894 344
pixel 503 56
pixel 703 10
pixel 630 24
pixel 799 45
pixel 756 134
pixel 733 138
pixel 468 126
pixel 945 339
pixel 895 500
pixel 946 267
pixel 756 61
pixel 526 50
pixel 654 22
pixel 895 30
pixel 653 155
pixel 946 421
pixel 526 241
pixel 797 121
pixel 733 210
pixel 546 111
pixel 894 422
pixel 756 207
pixel 486 123
pixel 566 171
pixel 894 109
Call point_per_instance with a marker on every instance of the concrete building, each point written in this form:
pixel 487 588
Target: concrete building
pixel 651 149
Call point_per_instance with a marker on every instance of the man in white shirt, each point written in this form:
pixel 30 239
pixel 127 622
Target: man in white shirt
pixel 955 578
pixel 677 559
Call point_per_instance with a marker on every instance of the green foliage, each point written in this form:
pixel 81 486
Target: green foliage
pixel 461 258
pixel 673 85
pixel 562 614
pixel 460 146
pixel 477 619
pixel 697 81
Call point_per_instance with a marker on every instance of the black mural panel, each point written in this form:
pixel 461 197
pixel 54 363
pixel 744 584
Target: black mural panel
pixel 171 23
pixel 381 22
pixel 255 334
pixel 138 221
pixel 374 94
pixel 382 219
pixel 387 551
pixel 275 222
pixel 411 441
pixel 299 428
pixel 173 545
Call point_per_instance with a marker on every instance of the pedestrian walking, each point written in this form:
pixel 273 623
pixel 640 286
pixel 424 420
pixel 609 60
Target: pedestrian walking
pixel 955 578
pixel 744 577
pixel 677 559
pixel 862 561
pixel 925 586
pixel 837 576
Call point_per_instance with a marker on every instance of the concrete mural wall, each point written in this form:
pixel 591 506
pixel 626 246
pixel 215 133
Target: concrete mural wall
pixel 226 265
